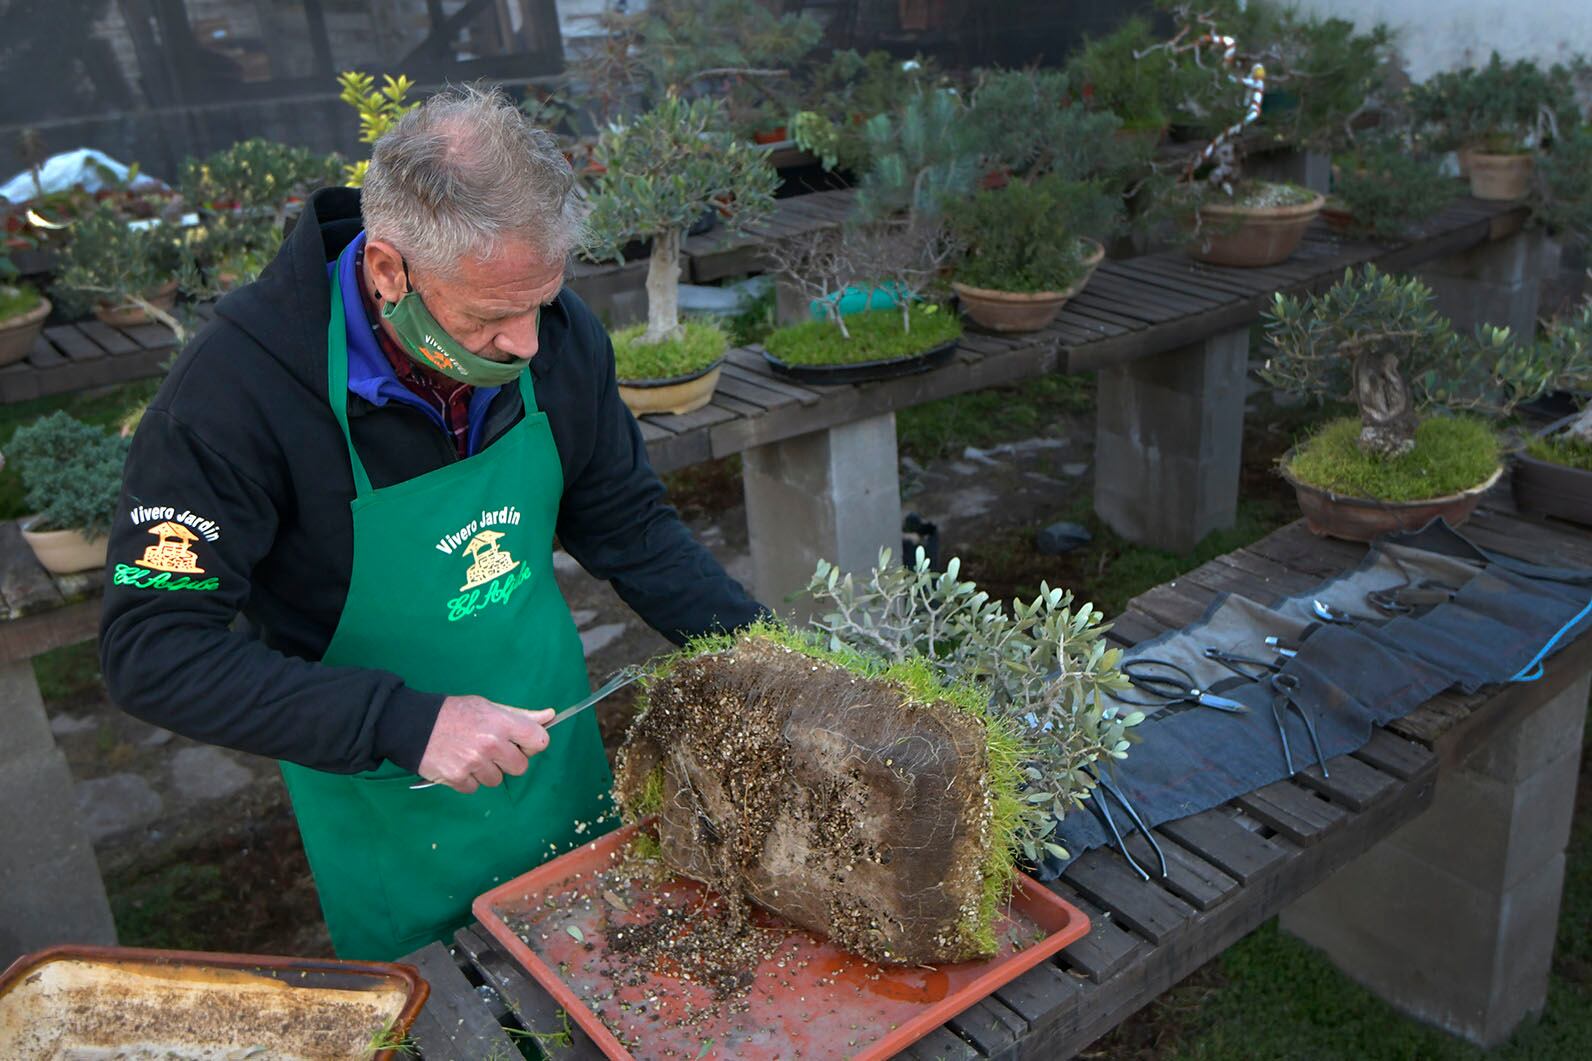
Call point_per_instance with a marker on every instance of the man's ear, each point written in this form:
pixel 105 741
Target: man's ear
pixel 384 268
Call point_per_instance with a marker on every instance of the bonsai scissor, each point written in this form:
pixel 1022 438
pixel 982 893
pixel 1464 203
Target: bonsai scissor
pixel 1170 684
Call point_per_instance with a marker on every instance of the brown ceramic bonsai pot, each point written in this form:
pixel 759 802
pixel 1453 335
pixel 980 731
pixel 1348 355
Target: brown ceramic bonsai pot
pixel 1022 311
pixel 1502 178
pixel 1360 519
pixel 678 394
pixel 1252 236
pixel 17 333
pixel 129 314
pixel 1551 489
pixel 1337 216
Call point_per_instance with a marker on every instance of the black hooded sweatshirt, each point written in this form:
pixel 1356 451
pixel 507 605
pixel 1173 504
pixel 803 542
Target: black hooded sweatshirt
pixel 240 446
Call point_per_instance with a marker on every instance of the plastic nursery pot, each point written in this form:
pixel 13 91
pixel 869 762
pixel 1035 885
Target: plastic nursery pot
pixel 677 394
pixel 1252 236
pixel 18 333
pixel 1022 311
pixel 125 316
pixel 1500 178
pixel 1360 519
pixel 776 135
pixel 1551 489
pixel 62 552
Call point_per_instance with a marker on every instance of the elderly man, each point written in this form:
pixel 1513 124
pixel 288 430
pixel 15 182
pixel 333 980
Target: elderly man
pixel 368 455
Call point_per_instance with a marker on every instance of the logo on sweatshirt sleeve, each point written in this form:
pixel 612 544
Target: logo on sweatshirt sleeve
pixel 170 562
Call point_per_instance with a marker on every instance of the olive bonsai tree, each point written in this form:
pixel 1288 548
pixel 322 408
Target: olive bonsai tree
pixel 663 169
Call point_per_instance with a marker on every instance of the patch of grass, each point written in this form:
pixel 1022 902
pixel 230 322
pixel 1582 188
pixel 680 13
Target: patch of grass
pixel 1109 571
pixel 876 335
pixel 16 299
pixel 700 345
pixel 984 418
pixel 1561 449
pixel 103 406
pixel 69 673
pixel 1451 454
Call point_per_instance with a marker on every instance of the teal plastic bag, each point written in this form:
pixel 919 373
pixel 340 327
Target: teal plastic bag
pixel 855 299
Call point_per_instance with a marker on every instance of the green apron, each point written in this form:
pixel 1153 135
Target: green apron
pixel 452 589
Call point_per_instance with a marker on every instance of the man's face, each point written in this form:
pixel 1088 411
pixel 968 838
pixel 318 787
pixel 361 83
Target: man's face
pixel 491 306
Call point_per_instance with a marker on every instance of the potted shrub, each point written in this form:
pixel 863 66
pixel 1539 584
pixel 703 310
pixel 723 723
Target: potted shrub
pixel 1107 75
pixel 843 94
pixel 127 271
pixel 22 314
pixel 1380 338
pixel 72 473
pixel 1493 115
pixel 1553 471
pixel 1383 191
pixel 663 170
pixel 1029 248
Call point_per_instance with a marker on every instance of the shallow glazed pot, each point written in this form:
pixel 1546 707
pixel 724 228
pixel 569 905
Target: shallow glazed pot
pixel 65 551
pixel 1360 519
pixel 1252 236
pixel 1022 311
pixel 678 394
pixel 125 316
pixel 18 333
pixel 1501 178
pixel 1551 489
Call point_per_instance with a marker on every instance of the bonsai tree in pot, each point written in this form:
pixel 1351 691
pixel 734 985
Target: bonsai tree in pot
pixel 1379 341
pixel 126 271
pixel 1383 191
pixel 662 170
pixel 1029 247
pixel 1553 473
pixel 1494 116
pixel 22 314
pixel 1235 221
pixel 72 473
pixel 1107 75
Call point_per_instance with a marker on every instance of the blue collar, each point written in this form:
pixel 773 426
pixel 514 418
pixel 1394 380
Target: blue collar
pixel 370 375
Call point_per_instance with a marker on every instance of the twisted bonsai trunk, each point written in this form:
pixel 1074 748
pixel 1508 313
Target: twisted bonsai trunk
pixel 663 288
pixel 1387 414
pixel 1581 427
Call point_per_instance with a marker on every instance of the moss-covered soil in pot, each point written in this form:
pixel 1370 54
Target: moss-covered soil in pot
pixel 1451 455
pixel 699 346
pixel 16 300
pixel 1561 449
pixel 876 335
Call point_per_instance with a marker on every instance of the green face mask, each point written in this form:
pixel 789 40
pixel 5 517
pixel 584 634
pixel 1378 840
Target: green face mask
pixel 423 339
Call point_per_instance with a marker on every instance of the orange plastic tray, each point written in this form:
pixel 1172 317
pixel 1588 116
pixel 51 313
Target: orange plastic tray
pixel 814 1001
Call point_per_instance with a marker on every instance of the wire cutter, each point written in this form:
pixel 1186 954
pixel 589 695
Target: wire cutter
pixel 1097 798
pixel 1283 687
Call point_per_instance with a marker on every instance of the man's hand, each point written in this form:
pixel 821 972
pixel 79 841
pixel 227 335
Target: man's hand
pixel 475 742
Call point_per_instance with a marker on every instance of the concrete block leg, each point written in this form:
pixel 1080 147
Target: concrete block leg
pixel 1452 919
pixel 1496 283
pixel 832 494
pixel 50 887
pixel 1168 437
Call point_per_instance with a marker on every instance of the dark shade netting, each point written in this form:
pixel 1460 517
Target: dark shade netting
pixel 1461 618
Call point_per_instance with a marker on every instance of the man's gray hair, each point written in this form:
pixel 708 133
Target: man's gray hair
pixel 461 173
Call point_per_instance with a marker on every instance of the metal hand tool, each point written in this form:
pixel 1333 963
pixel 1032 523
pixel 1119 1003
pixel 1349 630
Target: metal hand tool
pixel 1283 686
pixel 1170 684
pixel 1102 807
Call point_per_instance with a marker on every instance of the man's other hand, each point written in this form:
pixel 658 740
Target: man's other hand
pixel 475 742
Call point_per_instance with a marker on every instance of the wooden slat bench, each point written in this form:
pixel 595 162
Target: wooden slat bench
pixel 1234 867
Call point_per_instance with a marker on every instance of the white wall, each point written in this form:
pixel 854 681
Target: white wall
pixel 1441 34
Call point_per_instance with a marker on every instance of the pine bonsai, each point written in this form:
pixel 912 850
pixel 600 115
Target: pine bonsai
pixel 72 473
pixel 662 171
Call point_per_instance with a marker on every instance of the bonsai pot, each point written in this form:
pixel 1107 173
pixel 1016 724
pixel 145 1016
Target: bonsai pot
pixel 1252 236
pixel 677 394
pixel 865 371
pixel 129 314
pixel 1502 178
pixel 1337 216
pixel 64 551
pixel 17 333
pixel 1022 311
pixel 776 135
pixel 1551 489
pixel 1360 519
